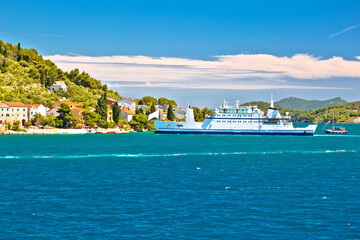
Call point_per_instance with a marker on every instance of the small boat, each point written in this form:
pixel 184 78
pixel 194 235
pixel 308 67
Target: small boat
pixel 335 130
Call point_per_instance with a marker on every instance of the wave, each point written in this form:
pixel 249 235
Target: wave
pixel 123 155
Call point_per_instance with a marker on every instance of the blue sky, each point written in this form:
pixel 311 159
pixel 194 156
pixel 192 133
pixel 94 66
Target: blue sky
pixel 196 30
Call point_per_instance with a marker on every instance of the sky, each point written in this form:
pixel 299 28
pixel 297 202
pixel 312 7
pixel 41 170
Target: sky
pixel 200 52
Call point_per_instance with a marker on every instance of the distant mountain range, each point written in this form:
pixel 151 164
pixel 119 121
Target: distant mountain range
pixel 306 105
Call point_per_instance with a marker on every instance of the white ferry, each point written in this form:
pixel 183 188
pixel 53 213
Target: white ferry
pixel 236 120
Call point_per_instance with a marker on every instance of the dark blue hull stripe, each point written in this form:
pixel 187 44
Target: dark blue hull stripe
pixel 300 133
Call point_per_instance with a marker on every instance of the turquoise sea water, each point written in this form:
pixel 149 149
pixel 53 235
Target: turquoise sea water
pixel 149 186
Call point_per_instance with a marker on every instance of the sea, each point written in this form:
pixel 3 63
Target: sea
pixel 154 186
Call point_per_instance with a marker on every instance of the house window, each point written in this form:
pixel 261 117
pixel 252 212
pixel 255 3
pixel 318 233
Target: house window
pixel 23 115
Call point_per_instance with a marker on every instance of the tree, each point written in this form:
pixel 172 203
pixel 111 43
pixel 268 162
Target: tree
pixel 101 107
pixel 3 66
pixel 66 116
pixel 170 114
pixel 19 56
pixel 152 108
pixel 139 111
pixel 205 111
pixel 198 116
pixel 139 121
pixel 148 100
pixel 116 112
pixel 162 101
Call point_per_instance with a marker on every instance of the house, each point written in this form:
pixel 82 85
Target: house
pixel 71 104
pixel 77 112
pixel 127 114
pixel 111 101
pixel 179 113
pixel 357 120
pixel 10 112
pixel 127 103
pixel 58 86
pixel 52 112
pixel 34 109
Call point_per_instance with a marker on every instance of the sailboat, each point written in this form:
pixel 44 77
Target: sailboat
pixel 335 130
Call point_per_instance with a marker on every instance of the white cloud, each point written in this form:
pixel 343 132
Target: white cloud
pixel 243 71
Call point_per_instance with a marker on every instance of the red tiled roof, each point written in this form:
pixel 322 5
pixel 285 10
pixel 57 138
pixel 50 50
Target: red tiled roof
pixel 129 99
pixel 79 109
pixel 33 105
pixel 128 111
pixel 15 104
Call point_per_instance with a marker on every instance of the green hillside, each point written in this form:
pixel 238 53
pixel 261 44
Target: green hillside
pixel 306 105
pixel 343 113
pixel 24 76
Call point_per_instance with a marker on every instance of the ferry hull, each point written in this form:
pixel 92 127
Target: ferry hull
pixel 236 132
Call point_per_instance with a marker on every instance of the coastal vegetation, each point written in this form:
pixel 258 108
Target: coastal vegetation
pixel 24 76
pixel 342 113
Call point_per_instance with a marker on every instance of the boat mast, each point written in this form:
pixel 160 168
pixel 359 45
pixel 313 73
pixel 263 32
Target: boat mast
pixel 333 120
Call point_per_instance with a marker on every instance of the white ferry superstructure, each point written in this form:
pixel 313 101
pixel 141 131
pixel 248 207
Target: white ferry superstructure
pixel 236 120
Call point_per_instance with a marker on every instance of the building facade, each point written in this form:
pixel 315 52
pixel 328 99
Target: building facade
pixel 127 114
pixel 11 112
pixel 127 103
pixel 58 86
pixel 34 109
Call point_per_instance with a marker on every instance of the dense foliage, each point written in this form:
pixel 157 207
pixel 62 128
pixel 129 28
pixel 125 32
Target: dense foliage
pixel 24 76
pixel 342 113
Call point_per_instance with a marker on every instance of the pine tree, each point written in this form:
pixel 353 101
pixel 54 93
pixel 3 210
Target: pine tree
pixel 152 108
pixel 170 113
pixel 3 66
pixel 101 106
pixel 116 112
pixel 19 56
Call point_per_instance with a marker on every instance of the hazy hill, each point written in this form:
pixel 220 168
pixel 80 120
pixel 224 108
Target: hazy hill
pixel 343 113
pixel 306 105
pixel 264 106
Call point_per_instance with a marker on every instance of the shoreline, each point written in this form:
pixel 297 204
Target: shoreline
pixel 63 131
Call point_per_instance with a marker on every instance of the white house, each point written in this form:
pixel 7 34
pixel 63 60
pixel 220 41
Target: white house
pixel 34 109
pixel 10 112
pixel 127 114
pixel 57 86
pixel 127 103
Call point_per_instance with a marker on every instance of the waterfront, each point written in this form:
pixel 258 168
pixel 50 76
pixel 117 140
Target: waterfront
pixel 152 186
